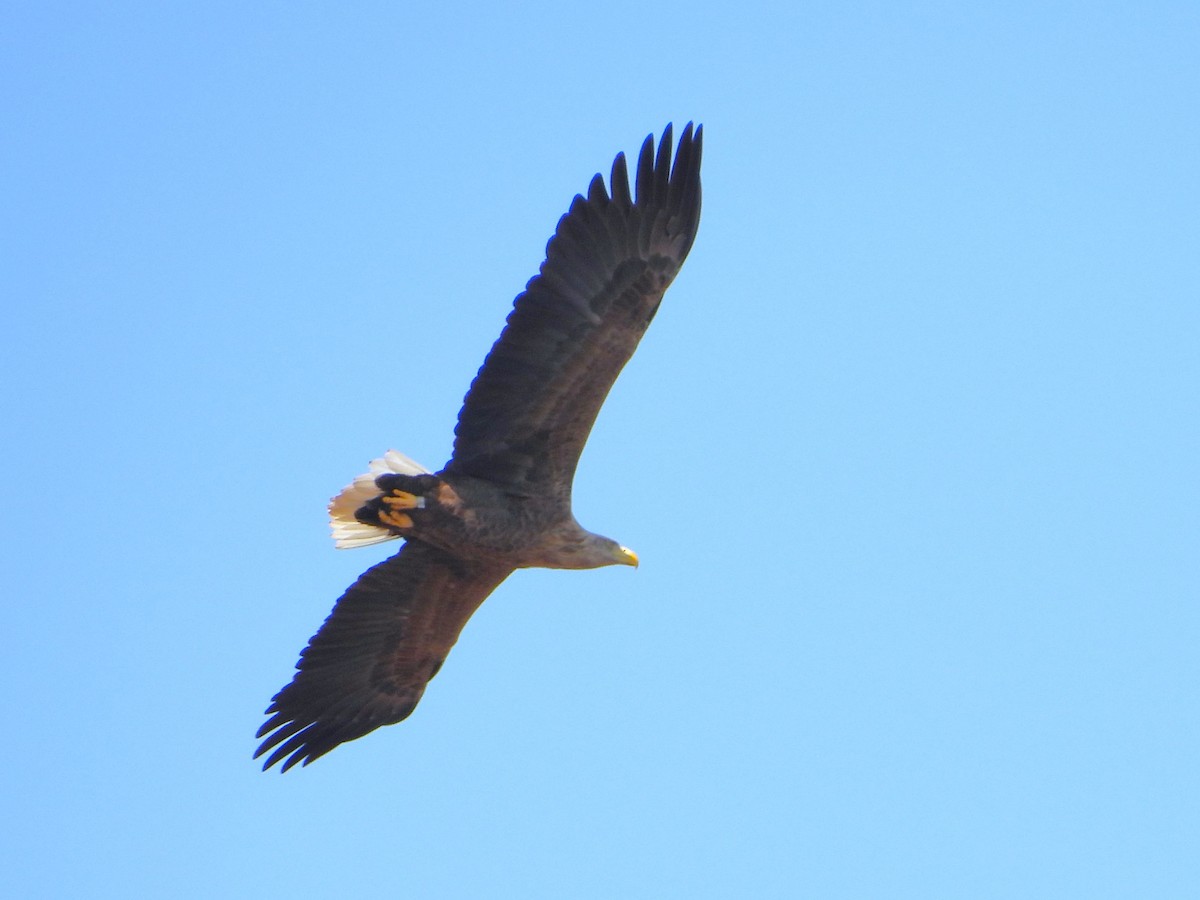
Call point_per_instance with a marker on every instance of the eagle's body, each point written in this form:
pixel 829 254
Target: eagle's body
pixel 503 501
pixel 472 518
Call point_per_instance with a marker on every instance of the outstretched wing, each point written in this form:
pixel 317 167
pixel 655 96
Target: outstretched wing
pixel 530 409
pixel 369 663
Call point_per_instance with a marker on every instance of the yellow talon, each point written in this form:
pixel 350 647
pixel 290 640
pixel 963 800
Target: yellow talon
pixel 396 520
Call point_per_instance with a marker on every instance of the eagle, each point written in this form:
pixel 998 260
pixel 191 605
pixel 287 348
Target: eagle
pixel 503 501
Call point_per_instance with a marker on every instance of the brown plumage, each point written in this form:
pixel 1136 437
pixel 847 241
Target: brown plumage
pixel 503 501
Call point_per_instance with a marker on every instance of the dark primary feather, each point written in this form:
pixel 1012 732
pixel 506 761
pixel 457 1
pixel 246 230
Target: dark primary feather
pixel 369 664
pixel 531 407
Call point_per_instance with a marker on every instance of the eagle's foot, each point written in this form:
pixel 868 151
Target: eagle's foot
pixel 399 499
pixel 395 519
pixel 396 501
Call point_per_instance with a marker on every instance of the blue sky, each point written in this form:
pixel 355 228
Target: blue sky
pixel 909 455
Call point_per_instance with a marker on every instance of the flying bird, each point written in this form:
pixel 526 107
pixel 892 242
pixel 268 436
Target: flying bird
pixel 503 501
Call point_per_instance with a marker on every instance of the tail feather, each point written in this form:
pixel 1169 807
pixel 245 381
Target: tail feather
pixel 348 532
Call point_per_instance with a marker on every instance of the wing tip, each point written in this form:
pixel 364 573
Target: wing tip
pixel 661 180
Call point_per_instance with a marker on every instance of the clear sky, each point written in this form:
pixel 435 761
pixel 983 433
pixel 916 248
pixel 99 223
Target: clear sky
pixel 909 454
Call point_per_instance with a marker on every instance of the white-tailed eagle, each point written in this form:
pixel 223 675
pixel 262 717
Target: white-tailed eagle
pixel 503 501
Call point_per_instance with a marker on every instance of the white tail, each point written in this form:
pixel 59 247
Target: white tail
pixel 348 531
